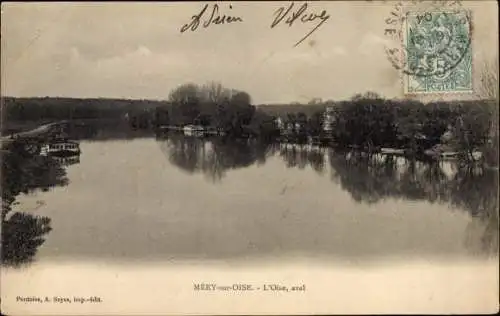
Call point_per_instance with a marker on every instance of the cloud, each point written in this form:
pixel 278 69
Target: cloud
pixel 373 44
pixel 339 51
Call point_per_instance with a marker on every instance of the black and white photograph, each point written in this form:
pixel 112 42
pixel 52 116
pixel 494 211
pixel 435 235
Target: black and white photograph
pixel 249 158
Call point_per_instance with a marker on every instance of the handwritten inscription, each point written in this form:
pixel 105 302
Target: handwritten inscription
pixel 302 15
pixel 213 18
pixel 291 15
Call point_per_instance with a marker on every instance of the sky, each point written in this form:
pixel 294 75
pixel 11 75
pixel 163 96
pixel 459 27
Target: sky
pixel 136 50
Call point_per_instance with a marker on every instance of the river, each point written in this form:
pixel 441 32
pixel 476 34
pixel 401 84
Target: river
pixel 145 211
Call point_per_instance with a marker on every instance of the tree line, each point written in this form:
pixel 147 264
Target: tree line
pixel 367 121
pixel 51 109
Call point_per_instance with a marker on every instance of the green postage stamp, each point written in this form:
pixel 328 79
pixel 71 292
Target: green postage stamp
pixel 438 52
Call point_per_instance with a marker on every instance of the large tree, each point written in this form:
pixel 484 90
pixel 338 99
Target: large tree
pixel 186 102
pixel 214 93
pixel 184 94
pixel 212 104
pixel 241 98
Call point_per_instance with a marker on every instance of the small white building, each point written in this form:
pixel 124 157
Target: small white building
pixel 328 119
pixel 279 123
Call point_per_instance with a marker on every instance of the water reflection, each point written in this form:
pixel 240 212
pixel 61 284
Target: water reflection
pixel 470 188
pixel 25 172
pixel 368 178
pixel 476 190
pixel 212 156
pixel 67 161
pixel 302 155
pixel 376 177
pixel 248 224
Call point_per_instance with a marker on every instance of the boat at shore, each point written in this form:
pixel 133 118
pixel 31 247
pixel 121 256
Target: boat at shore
pixel 60 148
pixel 193 128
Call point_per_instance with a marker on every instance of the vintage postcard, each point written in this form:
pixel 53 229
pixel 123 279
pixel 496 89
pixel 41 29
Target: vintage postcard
pixel 255 158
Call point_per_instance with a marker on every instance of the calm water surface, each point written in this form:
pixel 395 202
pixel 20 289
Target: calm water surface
pixel 184 198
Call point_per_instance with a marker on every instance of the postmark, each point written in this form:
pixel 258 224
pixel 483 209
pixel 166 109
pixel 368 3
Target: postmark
pixel 432 48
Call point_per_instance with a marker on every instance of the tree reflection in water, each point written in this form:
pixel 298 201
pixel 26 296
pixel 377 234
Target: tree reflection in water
pixel 476 190
pixel 22 173
pixel 212 156
pixel 303 155
pixel 368 178
pixel 371 178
